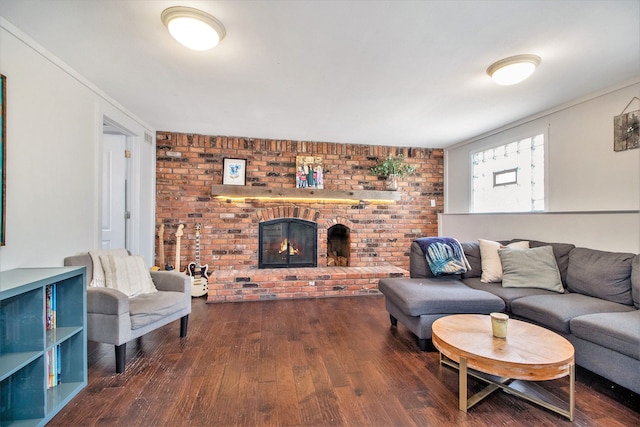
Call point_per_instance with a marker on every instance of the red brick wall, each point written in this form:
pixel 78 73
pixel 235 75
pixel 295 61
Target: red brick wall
pixel 188 165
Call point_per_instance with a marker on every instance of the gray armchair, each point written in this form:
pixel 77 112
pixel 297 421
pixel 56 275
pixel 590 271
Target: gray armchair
pixel 114 318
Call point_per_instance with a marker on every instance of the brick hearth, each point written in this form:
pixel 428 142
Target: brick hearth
pixel 278 283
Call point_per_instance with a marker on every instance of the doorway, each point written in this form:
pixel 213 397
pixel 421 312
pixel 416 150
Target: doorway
pixel 115 213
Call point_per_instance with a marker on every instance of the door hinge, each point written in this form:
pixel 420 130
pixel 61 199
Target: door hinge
pixel 127 154
pixel 127 215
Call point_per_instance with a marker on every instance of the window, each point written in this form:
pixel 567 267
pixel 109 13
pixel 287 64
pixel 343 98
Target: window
pixel 509 177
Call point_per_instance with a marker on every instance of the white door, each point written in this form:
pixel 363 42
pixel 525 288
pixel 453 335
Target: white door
pixel 114 194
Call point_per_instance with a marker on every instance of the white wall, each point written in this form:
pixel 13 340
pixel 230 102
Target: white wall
pixel 54 137
pixel 606 231
pixel 584 176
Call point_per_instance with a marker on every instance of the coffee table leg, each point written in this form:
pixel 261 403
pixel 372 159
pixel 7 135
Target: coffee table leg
pixel 572 390
pixel 462 384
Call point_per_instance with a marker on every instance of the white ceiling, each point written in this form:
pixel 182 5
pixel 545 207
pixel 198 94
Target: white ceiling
pixel 406 73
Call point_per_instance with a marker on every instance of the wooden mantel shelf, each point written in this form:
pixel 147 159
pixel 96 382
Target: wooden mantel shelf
pixel 237 191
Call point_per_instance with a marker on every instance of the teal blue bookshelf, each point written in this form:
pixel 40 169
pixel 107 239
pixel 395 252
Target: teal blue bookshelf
pixel 27 396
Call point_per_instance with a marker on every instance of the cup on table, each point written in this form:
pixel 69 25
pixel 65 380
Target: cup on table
pixel 499 324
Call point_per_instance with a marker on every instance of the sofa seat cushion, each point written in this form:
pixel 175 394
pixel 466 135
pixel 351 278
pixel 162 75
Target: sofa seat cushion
pixel 148 308
pixel 416 297
pixel 617 331
pixel 556 311
pixel 508 295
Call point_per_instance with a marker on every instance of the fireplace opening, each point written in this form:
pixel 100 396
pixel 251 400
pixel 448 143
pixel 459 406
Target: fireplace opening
pixel 287 242
pixel 338 246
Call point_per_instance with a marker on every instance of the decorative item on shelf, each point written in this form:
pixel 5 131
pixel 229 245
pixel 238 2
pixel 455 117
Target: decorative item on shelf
pixel 393 167
pixel 626 129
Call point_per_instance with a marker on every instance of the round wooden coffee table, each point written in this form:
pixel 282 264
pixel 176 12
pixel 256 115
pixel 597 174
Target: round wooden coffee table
pixel 529 353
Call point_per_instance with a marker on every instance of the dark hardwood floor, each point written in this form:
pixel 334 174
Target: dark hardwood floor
pixel 325 362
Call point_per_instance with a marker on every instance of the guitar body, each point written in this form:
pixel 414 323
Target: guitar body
pixel 199 286
pixel 195 271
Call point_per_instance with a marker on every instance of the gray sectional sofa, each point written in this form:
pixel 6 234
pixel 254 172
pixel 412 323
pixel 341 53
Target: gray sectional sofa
pixel 597 308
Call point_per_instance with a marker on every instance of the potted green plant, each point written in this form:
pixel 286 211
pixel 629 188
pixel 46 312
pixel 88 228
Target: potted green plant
pixel 393 167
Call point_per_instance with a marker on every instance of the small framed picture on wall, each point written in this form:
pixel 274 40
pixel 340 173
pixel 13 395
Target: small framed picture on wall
pixel 234 171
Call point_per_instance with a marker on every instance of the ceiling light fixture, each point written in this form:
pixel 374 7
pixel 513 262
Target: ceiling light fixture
pixel 514 69
pixel 193 28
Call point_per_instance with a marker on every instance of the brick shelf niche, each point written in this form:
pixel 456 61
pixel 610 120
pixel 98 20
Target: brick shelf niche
pixel 189 171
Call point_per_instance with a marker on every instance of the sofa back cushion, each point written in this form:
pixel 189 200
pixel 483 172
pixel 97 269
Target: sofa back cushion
pixel 418 266
pixel 601 274
pixel 635 281
pixel 472 252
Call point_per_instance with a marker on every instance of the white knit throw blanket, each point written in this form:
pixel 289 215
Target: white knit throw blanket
pixel 99 279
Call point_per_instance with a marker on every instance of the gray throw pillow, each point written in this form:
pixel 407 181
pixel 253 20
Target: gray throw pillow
pixel 530 268
pixel 601 274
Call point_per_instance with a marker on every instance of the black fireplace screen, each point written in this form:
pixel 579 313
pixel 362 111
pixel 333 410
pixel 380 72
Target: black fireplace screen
pixel 287 242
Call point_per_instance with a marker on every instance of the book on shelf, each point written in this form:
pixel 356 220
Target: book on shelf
pixel 54 366
pixel 50 306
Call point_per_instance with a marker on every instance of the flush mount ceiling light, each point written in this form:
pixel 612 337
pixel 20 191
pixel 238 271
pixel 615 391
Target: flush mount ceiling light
pixel 514 69
pixel 193 28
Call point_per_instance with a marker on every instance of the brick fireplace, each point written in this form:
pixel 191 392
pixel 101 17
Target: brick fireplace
pixel 358 242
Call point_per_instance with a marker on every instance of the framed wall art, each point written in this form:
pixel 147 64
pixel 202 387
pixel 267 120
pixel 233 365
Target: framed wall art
pixel 234 171
pixel 626 131
pixel 309 172
pixel 3 154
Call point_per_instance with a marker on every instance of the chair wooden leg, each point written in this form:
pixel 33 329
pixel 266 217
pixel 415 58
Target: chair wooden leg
pixel 184 322
pixel 121 355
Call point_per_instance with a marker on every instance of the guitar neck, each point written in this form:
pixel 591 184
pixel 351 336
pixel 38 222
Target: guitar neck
pixel 198 251
pixel 178 236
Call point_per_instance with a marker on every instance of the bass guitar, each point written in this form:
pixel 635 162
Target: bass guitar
pixel 160 249
pixel 163 265
pixel 179 234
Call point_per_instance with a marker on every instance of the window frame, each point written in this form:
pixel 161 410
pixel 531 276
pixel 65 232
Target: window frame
pixel 504 139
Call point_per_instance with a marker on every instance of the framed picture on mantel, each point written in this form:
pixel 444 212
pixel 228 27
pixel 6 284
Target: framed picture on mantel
pixel 309 172
pixel 234 171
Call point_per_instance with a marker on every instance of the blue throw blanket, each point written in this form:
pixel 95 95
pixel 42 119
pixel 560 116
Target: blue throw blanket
pixel 444 255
